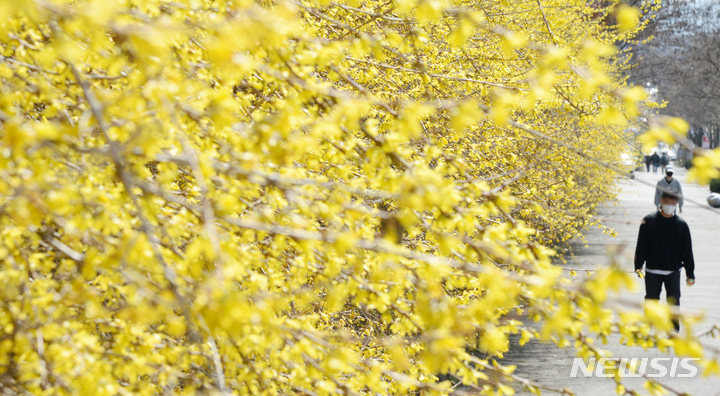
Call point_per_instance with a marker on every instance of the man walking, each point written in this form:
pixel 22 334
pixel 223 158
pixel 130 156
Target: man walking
pixel 668 184
pixel 664 246
pixel 655 160
pixel 664 161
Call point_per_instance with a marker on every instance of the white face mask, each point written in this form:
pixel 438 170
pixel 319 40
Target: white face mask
pixel 668 209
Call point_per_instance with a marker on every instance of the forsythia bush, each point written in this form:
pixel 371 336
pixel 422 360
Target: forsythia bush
pixel 300 196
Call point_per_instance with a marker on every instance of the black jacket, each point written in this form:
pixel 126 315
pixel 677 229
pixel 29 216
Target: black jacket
pixel 655 159
pixel 665 244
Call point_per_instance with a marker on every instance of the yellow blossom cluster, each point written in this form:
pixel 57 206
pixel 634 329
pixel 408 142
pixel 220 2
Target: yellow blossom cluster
pixel 303 196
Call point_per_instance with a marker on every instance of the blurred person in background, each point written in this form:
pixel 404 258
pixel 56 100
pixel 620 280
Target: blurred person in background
pixel 670 185
pixel 655 160
pixel 664 161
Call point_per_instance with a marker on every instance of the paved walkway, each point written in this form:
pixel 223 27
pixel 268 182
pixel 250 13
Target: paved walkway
pixel 551 366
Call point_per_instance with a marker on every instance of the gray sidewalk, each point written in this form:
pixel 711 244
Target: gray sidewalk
pixel 552 366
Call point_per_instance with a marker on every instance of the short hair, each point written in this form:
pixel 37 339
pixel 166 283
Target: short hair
pixel 671 195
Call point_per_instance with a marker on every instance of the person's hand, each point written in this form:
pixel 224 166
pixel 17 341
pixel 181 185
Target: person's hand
pixel 640 274
pixel 680 210
pixel 690 282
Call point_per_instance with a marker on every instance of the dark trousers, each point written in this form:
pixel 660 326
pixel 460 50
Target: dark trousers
pixel 654 284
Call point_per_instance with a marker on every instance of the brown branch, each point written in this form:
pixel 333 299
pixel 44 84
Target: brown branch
pixel 169 273
pixel 436 76
pixel 547 24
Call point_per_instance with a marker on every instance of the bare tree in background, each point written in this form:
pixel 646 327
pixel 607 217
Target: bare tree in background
pixel 678 59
